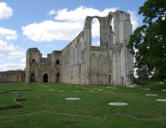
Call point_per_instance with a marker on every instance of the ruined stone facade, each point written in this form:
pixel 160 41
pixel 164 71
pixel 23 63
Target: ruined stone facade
pixel 82 63
pixel 12 76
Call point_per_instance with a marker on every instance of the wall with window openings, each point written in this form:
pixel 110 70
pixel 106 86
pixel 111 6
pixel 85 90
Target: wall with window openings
pixel 98 55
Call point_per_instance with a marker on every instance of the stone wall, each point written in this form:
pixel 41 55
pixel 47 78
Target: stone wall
pixel 12 76
pixel 75 61
pixel 111 62
pixel 99 66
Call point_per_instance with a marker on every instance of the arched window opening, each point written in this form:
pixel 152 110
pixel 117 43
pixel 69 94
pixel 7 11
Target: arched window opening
pixel 112 23
pixel 57 62
pixel 57 76
pixel 95 32
pixel 45 78
pixel 113 29
pixel 33 61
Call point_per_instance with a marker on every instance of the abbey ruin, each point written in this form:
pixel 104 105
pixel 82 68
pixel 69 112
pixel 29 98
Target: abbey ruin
pixel 84 64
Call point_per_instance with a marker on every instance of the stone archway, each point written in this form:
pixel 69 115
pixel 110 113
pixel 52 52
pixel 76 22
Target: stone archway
pixel 45 78
pixel 57 76
pixel 57 62
pixel 95 32
pixel 32 77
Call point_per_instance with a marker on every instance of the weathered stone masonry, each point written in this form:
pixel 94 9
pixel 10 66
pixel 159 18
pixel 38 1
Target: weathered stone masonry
pixel 82 63
pixel 12 76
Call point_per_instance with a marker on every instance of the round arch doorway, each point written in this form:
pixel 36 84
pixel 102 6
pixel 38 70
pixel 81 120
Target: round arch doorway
pixel 57 77
pixel 45 78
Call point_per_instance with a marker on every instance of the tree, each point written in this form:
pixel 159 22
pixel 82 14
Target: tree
pixel 148 42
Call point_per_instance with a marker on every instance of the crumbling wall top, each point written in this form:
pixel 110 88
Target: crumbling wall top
pixel 33 50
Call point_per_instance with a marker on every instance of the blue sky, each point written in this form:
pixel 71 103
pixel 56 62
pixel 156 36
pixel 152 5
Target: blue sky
pixel 50 24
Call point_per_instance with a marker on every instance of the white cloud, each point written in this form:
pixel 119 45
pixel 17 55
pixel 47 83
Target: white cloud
pixel 51 30
pixel 11 66
pixel 7 34
pixel 23 60
pixel 52 12
pixel 134 19
pixel 66 26
pixel 9 50
pixel 5 11
pixel 80 13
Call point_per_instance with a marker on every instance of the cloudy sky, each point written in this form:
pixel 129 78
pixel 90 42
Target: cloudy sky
pixel 50 24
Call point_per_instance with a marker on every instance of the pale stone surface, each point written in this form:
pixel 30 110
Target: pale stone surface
pixel 51 89
pixel 161 82
pixel 117 104
pixel 150 94
pixel 132 86
pixel 83 64
pixel 12 76
pixel 112 87
pixel 72 98
pixel 108 87
pixel 147 89
pixel 161 100
pixel 164 90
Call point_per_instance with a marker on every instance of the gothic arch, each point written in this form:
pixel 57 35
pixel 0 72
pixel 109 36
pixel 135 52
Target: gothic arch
pixel 95 31
pixel 33 61
pixel 57 62
pixel 45 78
pixel 57 76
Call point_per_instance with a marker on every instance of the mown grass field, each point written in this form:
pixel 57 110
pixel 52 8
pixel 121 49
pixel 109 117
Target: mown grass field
pixel 46 106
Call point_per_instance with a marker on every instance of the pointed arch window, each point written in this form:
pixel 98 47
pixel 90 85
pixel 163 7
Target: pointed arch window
pixel 95 32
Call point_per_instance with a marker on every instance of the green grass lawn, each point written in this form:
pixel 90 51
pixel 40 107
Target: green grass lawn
pixel 46 106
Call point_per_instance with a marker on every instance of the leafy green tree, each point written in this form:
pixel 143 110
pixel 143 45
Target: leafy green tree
pixel 148 42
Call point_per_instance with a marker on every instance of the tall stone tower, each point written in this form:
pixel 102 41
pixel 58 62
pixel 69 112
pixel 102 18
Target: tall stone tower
pixel 122 59
pixel 42 69
pixel 32 59
pixel 111 62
